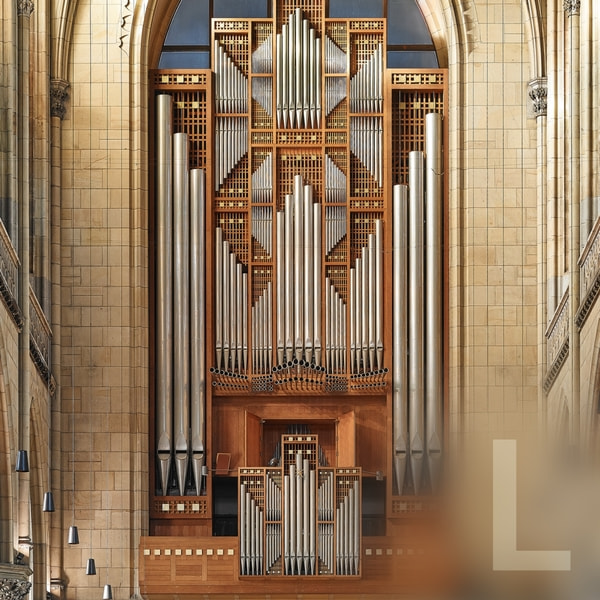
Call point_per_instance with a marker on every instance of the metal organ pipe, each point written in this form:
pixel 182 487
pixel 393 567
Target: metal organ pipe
pixel 399 323
pixel 197 321
pixel 415 322
pixel 433 293
pixel 181 307
pixel 164 289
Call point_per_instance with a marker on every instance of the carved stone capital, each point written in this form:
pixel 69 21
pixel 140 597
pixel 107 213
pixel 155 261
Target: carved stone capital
pixel 572 7
pixel 537 90
pixel 24 8
pixel 14 584
pixel 59 96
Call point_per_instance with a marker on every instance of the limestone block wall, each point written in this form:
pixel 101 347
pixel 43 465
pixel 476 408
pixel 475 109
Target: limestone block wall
pixel 493 239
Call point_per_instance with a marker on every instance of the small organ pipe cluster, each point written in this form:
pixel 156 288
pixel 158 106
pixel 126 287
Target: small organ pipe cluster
pixel 301 518
pixel 323 260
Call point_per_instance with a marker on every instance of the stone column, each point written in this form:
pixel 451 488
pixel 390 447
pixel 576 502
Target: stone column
pixel 59 97
pixel 538 96
pixel 24 10
pixel 571 8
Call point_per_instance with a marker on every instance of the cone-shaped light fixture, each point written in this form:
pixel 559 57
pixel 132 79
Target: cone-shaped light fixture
pixel 48 505
pixel 22 462
pixel 107 592
pixel 73 535
pixel 90 568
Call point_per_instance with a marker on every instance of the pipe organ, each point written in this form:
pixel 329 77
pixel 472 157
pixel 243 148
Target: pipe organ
pixel 299 231
pixel 302 518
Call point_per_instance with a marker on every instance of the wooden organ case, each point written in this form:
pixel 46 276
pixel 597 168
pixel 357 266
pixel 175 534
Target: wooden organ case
pixel 297 421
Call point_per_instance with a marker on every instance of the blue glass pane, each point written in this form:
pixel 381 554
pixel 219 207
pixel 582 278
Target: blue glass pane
pixel 190 25
pixel 184 60
pixel 412 60
pixel 248 9
pixel 406 24
pixel 355 9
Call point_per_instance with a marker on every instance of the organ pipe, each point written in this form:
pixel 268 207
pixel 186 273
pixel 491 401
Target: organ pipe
pixel 433 291
pixel 399 323
pixel 415 322
pixel 197 321
pixel 181 287
pixel 164 288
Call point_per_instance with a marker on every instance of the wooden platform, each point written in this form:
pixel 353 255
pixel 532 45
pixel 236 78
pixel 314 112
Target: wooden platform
pixel 192 567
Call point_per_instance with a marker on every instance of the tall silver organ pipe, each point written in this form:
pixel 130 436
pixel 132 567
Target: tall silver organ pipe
pixel 433 292
pixel 298 77
pixel 317 283
pixel 399 352
pixel 415 322
pixel 181 321
pixel 309 305
pixel 197 321
pixel 164 289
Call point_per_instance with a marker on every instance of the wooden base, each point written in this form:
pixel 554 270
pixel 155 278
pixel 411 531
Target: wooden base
pixel 189 567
